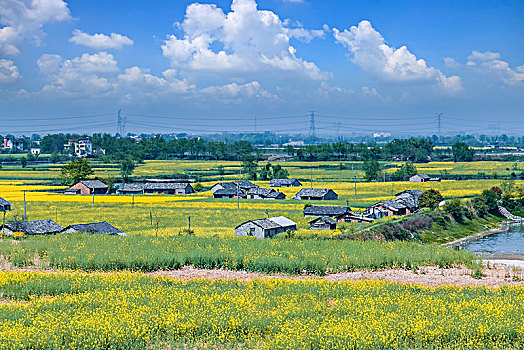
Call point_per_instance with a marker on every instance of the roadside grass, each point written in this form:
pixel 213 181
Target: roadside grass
pixel 290 256
pixel 133 311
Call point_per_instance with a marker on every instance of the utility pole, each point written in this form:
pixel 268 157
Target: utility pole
pixel 189 224
pixel 312 129
pixel 322 181
pixel 133 199
pixel 93 203
pixel 355 178
pixel 238 200
pixel 25 208
pixel 439 117
pixel 311 179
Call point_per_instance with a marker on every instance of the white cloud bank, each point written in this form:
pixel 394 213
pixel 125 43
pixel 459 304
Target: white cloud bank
pixel 388 64
pixel 23 20
pixel 490 63
pixel 239 43
pixel 98 76
pixel 8 72
pixel 100 41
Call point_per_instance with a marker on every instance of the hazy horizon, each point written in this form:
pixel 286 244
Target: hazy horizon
pixel 254 66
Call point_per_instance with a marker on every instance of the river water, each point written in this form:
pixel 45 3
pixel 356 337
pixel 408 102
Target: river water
pixel 507 243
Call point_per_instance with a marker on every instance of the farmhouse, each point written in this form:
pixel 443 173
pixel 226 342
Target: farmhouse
pixel 317 210
pixel 168 188
pixel 229 193
pixel 388 208
pixel 175 188
pixel 40 227
pixel 265 228
pixel 88 187
pixel 4 205
pixel 315 194
pixel 419 178
pixel 409 198
pixel 81 148
pixel 284 183
pixel 96 228
pixel 323 223
pixel 264 193
pixel 242 185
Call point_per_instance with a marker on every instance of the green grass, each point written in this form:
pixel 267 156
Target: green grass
pixel 136 253
pixel 452 230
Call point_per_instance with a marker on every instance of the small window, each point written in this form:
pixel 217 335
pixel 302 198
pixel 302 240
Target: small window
pixel 252 231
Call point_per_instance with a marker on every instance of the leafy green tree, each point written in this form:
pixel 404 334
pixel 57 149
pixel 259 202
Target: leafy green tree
pixel 127 166
pixel 23 161
pixel 406 171
pixel 491 200
pixel 198 187
pixel 455 208
pixel 430 199
pixel 371 169
pixel 269 172
pixel 250 167
pixel 462 152
pixel 78 169
pixel 54 158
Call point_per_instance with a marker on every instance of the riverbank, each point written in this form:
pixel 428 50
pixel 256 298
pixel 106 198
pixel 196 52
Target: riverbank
pixel 503 227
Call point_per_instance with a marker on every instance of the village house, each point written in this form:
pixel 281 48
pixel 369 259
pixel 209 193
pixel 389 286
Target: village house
pixel 35 151
pixel 264 193
pixel 423 178
pixel 284 183
pixel 39 227
pixel 96 228
pixel 340 214
pixel 243 185
pixel 316 194
pixel 12 144
pixel 88 187
pixel 323 223
pixel 409 198
pixel 387 208
pixel 229 193
pixel 265 228
pixel 4 205
pixel 165 187
pixel 80 148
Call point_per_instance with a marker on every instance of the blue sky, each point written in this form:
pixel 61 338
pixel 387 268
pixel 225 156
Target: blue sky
pixel 173 66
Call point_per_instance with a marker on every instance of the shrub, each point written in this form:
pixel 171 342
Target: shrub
pixel 455 208
pixel 430 199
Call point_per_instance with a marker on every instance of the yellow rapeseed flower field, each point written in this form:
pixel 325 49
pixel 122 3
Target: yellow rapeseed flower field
pixel 134 311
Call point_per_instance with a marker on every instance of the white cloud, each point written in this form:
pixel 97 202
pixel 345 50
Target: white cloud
pixel 237 93
pixel 490 63
pixel 388 64
pixel 8 72
pixel 100 41
pixel 239 43
pixel 23 20
pixel 98 76
pixel 450 62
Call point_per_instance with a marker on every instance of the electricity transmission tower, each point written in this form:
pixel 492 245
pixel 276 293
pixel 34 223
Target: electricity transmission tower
pixel 439 117
pixel 312 129
pixel 121 124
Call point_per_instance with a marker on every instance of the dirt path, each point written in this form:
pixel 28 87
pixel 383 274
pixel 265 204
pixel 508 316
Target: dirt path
pixel 495 273
pixel 498 274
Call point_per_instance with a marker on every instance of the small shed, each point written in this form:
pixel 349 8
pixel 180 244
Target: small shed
pixel 131 188
pixel 419 178
pixel 39 227
pixel 323 223
pixel 88 187
pixel 4 205
pixel 316 194
pixel 243 185
pixel 96 228
pixel 284 183
pixel 265 228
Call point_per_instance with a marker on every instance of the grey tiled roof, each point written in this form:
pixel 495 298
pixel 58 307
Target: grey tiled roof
pixel 312 192
pixel 229 192
pixel 393 205
pixel 280 182
pixel 263 192
pixel 97 184
pixel 35 227
pixel 326 210
pixel 97 228
pixel 4 202
pixel 409 198
pixel 326 219
pixel 266 224
pixel 244 184
pixel 165 185
pixel 131 188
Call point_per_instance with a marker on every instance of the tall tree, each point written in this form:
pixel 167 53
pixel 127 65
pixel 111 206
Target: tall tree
pixel 127 166
pixel 371 169
pixel 462 152
pixel 78 169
